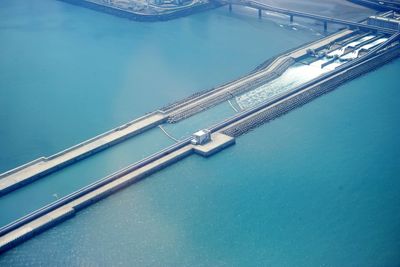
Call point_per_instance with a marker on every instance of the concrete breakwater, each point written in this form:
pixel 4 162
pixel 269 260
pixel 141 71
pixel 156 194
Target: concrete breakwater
pixel 222 136
pixel 124 13
pixel 281 107
pixel 64 208
pixel 190 110
pixel 38 168
pixel 197 103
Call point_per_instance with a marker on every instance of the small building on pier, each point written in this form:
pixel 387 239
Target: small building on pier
pixel 201 137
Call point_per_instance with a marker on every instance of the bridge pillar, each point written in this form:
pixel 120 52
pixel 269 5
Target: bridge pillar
pixel 259 13
pixel 230 7
pixel 325 25
pixel 291 18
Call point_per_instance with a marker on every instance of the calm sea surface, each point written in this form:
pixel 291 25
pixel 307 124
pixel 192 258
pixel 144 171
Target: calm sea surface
pixel 317 187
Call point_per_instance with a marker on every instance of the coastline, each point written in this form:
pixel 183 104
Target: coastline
pixel 142 16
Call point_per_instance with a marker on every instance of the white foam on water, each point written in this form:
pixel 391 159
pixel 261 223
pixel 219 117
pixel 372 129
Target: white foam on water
pixel 366 38
pixel 375 43
pixel 339 52
pixel 292 78
pixel 354 54
pixel 351 55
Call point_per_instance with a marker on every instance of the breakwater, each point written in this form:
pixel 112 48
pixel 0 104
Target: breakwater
pixel 214 100
pixel 264 66
pixel 124 13
pixel 197 103
pixel 64 208
pixel 38 168
pixel 282 105
pixel 222 136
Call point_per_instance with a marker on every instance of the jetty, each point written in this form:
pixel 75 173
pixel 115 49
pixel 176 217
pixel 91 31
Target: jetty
pixel 149 11
pixel 38 168
pixel 205 142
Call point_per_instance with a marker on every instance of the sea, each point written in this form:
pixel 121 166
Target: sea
pixel 319 186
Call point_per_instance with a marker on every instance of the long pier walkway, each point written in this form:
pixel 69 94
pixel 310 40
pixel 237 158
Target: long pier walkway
pixel 223 93
pixel 33 170
pixel 36 169
pixel 222 135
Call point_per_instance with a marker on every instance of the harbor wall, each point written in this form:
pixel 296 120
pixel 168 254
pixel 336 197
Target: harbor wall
pixel 25 230
pixel 307 95
pixel 261 67
pixel 178 111
pixel 28 231
pixel 66 207
pixel 53 214
pixel 10 186
pixel 190 111
pixel 141 16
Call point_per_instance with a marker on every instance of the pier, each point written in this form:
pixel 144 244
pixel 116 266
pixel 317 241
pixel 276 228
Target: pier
pixel 178 111
pixel 222 136
pixel 147 13
pixel 274 69
pixel 219 136
pixel 173 113
pixel 66 207
pixel 31 171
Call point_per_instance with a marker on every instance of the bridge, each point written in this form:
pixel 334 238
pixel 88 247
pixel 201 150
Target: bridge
pixel 293 13
pixel 380 4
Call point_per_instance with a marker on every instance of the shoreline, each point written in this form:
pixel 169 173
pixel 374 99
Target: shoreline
pixel 142 16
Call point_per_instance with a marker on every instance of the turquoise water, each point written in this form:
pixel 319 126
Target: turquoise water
pixel 80 174
pixel 68 73
pixel 317 187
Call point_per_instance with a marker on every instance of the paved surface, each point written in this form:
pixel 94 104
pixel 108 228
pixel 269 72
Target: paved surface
pixel 228 89
pixel 13 179
pixel 218 142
